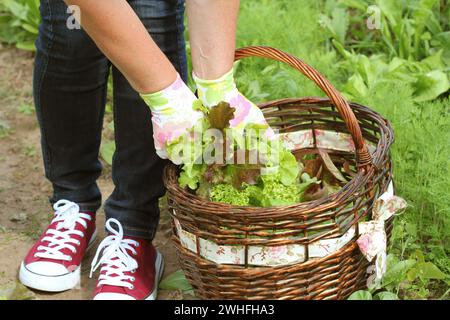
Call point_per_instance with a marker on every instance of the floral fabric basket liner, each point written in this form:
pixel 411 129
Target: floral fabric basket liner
pixel 372 236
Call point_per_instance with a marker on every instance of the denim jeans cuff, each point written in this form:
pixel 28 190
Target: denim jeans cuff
pixel 147 234
pixel 91 206
pixel 135 223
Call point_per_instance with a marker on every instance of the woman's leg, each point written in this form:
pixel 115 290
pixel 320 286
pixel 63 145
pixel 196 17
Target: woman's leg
pixel 137 170
pixel 70 78
pixel 69 91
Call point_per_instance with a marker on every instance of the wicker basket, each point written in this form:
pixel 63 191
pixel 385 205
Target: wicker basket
pixel 230 252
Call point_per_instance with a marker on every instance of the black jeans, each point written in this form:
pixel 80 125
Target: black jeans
pixel 70 86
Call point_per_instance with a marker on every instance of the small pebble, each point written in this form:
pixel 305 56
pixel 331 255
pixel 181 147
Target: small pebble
pixel 19 217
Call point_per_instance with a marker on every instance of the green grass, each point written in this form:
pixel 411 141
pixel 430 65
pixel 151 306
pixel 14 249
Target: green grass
pixel 420 153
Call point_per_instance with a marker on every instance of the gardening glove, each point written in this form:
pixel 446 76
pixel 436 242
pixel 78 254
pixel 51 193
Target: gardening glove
pixel 211 92
pixel 173 116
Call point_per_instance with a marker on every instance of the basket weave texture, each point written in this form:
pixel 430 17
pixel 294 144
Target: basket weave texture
pixel 334 276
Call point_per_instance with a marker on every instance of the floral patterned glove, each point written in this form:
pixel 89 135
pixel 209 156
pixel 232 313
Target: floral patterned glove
pixel 173 114
pixel 211 92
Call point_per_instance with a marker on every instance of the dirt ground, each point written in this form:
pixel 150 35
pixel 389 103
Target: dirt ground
pixel 24 191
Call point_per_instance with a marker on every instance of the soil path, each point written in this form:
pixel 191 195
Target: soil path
pixel 24 191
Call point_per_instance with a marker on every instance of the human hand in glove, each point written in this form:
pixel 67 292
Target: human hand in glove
pixel 211 92
pixel 173 115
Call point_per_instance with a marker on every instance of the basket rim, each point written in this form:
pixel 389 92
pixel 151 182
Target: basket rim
pixel 363 157
pixel 304 208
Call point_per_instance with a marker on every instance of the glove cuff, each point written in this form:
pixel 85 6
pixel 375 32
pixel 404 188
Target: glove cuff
pixel 211 92
pixel 159 102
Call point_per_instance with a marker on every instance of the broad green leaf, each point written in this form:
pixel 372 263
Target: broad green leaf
pixel 356 86
pixel 176 281
pixel 386 295
pixel 340 23
pixel 427 270
pixel 429 86
pixel 418 254
pixel 26 45
pixel 411 275
pixel 411 229
pixel 361 295
pixel 107 151
pixel 17 9
pixel 397 272
pixel 404 76
pixel 433 62
pixel 289 169
pixel 336 23
pixel 325 22
pixel 395 64
pixel 30 28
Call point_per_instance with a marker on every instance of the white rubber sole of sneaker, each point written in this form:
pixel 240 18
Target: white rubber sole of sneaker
pixel 52 283
pixel 159 268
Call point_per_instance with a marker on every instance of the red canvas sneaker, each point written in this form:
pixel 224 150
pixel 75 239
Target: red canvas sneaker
pixel 53 263
pixel 130 267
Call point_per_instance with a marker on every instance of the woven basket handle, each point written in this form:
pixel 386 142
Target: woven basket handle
pixel 363 158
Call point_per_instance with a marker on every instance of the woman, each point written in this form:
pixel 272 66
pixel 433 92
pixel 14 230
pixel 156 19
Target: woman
pixel 69 87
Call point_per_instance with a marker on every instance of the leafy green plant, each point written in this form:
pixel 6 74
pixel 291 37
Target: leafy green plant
pixel 277 178
pixel 410 44
pixel 19 22
pixel 426 77
pixel 408 29
pixel 5 130
pixel 412 273
pixel 26 108
pixel 29 151
pixel 411 277
pixel 177 281
pixel 367 295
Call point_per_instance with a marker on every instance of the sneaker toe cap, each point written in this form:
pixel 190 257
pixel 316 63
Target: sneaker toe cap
pixel 112 296
pixel 47 268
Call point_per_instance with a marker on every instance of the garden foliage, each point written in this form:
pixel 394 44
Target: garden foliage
pixel 404 82
pixel 19 22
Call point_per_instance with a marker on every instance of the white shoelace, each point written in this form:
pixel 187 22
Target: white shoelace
pixel 115 259
pixel 67 214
